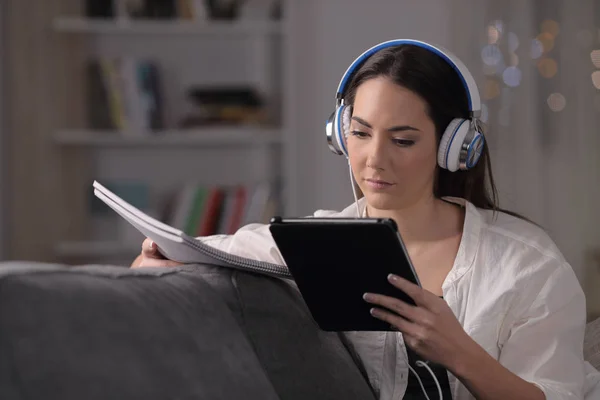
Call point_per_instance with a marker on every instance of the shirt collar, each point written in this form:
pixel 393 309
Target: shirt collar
pixel 469 242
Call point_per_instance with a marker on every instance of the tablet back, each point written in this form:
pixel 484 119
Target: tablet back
pixel 334 261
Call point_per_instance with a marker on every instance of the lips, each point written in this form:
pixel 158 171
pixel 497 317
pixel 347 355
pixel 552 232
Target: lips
pixel 378 184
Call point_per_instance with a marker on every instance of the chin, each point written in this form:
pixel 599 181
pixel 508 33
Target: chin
pixel 381 201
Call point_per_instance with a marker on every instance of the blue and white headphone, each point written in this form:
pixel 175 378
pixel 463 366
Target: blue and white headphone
pixel 462 142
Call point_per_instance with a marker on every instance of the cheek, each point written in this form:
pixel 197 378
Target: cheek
pixel 355 154
pixel 419 159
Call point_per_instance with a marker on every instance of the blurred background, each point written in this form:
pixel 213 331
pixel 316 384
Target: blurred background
pixel 209 114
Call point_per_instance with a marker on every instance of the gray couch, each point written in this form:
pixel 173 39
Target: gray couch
pixel 194 332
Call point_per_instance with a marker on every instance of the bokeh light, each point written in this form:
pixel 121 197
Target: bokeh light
pixel 513 59
pixel 550 26
pixel 491 89
pixel 498 24
pixel 512 76
pixel 547 67
pixel 537 49
pixel 595 56
pixel 556 102
pixel 596 79
pixel 493 35
pixel 547 41
pixel 491 54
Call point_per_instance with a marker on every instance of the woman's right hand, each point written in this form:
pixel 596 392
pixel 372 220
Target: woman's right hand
pixel 151 257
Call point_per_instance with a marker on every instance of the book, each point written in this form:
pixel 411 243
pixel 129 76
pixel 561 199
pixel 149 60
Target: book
pixel 176 245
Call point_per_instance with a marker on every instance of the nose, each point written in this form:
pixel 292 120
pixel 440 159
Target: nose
pixel 377 153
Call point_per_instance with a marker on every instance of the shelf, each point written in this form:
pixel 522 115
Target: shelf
pixel 95 249
pixel 165 27
pixel 206 137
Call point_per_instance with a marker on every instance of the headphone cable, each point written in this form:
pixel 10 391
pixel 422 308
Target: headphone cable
pixel 353 184
pixel 422 364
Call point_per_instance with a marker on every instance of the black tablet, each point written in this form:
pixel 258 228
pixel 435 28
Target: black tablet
pixel 335 261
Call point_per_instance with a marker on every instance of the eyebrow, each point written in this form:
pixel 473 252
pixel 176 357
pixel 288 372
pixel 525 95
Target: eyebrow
pixel 399 128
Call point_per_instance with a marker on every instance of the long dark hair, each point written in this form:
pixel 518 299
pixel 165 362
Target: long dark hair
pixel 439 85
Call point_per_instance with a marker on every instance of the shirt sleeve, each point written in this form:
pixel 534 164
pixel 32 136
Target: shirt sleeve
pixel 253 241
pixel 544 344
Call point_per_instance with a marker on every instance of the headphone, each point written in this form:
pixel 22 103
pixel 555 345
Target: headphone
pixel 462 142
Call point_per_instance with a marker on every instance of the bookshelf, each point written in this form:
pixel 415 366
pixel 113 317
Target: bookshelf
pixel 161 157
pixel 220 137
pixel 148 27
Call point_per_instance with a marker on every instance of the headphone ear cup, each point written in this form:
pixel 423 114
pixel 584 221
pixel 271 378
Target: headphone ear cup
pixel 451 143
pixel 346 116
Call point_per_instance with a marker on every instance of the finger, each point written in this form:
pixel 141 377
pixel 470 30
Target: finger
pixel 417 293
pixel 398 322
pixel 398 306
pixel 148 246
pixel 150 250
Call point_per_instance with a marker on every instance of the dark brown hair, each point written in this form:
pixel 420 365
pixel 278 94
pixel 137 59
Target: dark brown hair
pixel 439 85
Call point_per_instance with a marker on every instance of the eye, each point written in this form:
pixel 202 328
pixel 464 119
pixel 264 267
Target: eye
pixel 403 142
pixel 358 134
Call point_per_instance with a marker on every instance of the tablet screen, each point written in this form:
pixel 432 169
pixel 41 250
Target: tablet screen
pixel 334 261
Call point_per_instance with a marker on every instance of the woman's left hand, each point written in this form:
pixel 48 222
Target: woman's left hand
pixel 429 328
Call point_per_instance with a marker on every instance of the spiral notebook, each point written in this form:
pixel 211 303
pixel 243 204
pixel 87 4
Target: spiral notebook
pixel 176 245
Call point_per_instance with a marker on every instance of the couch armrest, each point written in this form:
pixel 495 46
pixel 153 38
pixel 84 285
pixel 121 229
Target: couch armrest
pixel 110 332
pixel 100 332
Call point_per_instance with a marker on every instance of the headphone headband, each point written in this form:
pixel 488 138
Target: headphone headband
pixel 464 74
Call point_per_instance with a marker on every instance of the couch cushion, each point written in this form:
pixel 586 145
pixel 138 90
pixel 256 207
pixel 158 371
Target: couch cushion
pixel 591 346
pixel 195 332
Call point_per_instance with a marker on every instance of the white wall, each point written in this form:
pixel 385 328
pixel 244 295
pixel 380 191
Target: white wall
pixel 329 35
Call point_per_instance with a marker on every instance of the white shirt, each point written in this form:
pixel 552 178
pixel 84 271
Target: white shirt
pixel 511 290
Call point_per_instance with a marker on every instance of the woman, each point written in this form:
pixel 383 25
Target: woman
pixel 499 307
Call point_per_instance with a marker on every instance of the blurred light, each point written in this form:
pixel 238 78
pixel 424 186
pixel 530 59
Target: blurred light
pixel 596 79
pixel 491 89
pixel 493 35
pixel 595 56
pixel 484 113
pixel 585 38
pixel 550 26
pixel 537 49
pixel 490 54
pixel 512 76
pixel 513 59
pixel 499 25
pixel 547 41
pixel 547 67
pixel 513 42
pixel 556 102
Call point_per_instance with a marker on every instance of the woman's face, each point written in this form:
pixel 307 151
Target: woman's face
pixel 392 145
